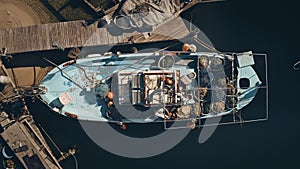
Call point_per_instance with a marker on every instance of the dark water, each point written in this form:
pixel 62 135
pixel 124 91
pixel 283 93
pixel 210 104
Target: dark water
pixel 264 27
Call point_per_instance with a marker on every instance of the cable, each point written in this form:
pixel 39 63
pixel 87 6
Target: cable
pixel 51 139
pixel 76 162
pixel 63 72
pixel 75 159
pixel 297 66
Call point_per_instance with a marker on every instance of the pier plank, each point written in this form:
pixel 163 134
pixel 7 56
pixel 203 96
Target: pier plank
pixel 2 38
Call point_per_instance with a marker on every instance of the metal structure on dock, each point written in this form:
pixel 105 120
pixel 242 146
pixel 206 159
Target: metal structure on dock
pixel 28 144
pixel 20 131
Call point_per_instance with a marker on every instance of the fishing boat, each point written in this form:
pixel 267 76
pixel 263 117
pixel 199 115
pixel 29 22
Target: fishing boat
pixel 152 87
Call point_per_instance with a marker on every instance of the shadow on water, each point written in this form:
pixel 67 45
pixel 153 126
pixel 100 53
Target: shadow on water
pixel 30 59
pixel 76 4
pixel 79 4
pixel 73 4
pixel 53 10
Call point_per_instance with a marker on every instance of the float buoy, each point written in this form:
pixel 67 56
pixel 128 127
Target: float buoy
pixel 186 47
pixel 110 96
pixel 110 103
pixel 4 80
pixel 169 81
pixel 193 48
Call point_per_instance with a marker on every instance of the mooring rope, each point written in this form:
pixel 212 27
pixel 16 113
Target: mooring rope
pixel 52 141
pixel 297 66
pixel 64 73
pixel 76 162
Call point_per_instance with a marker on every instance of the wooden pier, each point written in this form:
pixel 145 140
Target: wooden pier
pixel 75 34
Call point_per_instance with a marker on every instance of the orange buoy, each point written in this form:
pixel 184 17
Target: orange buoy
pixel 123 126
pixel 163 78
pixel 71 115
pixel 110 103
pixel 110 95
pixel 169 81
pixel 186 47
